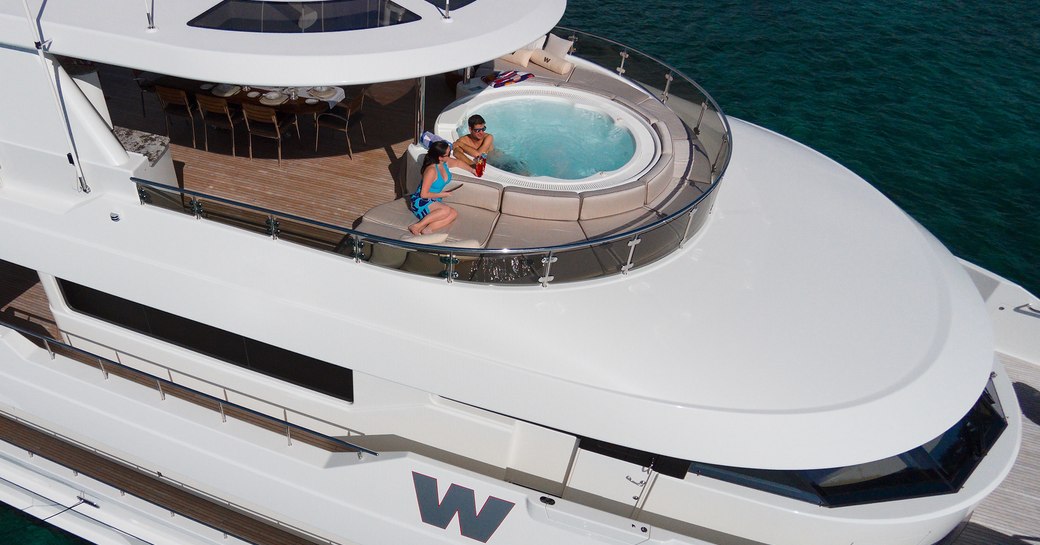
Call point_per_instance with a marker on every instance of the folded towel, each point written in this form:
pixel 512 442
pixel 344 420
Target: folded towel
pixel 515 79
pixel 505 76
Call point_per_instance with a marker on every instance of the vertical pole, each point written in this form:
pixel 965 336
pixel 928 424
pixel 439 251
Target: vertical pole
pixel 420 108
pixel 41 46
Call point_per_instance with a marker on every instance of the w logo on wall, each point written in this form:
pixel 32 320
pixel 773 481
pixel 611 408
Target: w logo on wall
pixel 459 499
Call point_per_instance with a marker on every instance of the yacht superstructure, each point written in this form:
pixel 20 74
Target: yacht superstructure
pixel 744 344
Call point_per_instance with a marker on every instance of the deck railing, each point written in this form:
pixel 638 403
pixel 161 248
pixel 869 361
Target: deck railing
pixel 618 253
pixel 106 366
pixel 163 386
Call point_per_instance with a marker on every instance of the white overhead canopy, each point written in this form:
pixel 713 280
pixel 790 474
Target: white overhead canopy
pixel 116 32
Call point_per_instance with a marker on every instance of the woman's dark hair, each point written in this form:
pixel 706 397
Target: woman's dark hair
pixel 438 149
pixel 475 119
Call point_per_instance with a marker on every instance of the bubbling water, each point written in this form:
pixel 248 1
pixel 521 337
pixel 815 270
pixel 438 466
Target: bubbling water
pixel 554 138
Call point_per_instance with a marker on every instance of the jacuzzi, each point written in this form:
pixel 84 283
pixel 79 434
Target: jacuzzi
pixel 645 139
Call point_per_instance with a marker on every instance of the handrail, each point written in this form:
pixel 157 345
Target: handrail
pixel 159 476
pixel 717 150
pixel 170 370
pixel 48 341
pixel 36 493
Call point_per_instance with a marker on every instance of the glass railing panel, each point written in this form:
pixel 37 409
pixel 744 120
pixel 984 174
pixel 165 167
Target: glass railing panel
pixel 171 199
pixel 658 242
pixel 228 214
pixel 581 263
pixel 505 268
pixel 314 236
pixel 648 74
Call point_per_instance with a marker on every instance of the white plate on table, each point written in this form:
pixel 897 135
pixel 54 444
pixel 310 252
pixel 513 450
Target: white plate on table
pixel 225 90
pixel 312 101
pixel 273 98
pixel 323 91
pixel 253 94
pixel 206 86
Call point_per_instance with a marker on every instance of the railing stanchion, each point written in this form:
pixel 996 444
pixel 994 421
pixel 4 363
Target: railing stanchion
pixel 162 394
pixel 697 128
pixel 548 262
pixel 47 345
pixel 722 147
pixel 101 365
pixel 621 69
pixel 359 246
pixel 667 85
pixel 196 207
pixel 689 225
pixel 288 429
pixel 273 227
pixel 223 416
pixel 631 253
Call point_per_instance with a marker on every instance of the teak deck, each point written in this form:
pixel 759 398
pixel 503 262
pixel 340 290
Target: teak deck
pixel 324 185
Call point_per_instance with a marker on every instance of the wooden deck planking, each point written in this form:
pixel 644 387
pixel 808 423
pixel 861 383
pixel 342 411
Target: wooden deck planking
pixel 1011 514
pixel 324 185
pixel 23 301
pixel 146 487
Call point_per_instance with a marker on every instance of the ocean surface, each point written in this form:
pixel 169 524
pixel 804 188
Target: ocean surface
pixel 936 104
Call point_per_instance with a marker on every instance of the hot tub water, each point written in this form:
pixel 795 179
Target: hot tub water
pixel 554 138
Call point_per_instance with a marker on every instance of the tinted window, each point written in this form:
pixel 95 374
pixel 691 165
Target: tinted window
pixel 940 466
pixel 296 17
pixel 214 342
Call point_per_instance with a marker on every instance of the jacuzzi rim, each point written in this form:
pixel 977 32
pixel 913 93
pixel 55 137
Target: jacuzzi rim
pixel 647 142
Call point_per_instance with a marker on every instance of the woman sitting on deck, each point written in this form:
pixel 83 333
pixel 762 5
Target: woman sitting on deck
pixel 426 203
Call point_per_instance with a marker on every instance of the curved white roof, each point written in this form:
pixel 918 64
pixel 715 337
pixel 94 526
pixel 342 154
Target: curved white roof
pixel 812 324
pixel 115 32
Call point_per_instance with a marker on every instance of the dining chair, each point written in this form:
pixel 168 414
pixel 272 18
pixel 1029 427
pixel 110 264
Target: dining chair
pixel 144 85
pixel 175 102
pixel 342 118
pixel 216 112
pixel 268 123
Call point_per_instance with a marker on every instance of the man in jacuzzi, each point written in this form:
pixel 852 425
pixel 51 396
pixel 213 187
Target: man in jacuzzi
pixel 478 141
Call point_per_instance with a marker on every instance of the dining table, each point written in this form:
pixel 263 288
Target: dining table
pixel 309 100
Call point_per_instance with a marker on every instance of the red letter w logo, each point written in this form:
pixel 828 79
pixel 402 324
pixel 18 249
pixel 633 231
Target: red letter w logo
pixel 479 526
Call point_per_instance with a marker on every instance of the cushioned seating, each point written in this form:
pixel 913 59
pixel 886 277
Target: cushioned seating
pixel 664 135
pixel 394 214
pixel 523 232
pixel 473 223
pixel 476 192
pixel 538 204
pixel 593 77
pixel 659 178
pixel 659 111
pixel 603 93
pixel 502 65
pixel 613 200
pixel 618 223
pixel 681 154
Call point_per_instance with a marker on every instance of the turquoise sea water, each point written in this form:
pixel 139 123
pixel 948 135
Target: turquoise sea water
pixel 937 104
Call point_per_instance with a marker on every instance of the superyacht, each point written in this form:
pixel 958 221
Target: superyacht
pixel 232 336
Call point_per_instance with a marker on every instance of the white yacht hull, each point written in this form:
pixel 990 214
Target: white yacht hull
pixel 366 499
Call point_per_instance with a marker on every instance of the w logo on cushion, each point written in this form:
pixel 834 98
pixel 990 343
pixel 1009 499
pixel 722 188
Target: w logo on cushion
pixel 547 60
pixel 458 499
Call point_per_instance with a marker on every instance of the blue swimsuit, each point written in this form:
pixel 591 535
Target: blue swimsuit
pixel 420 206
